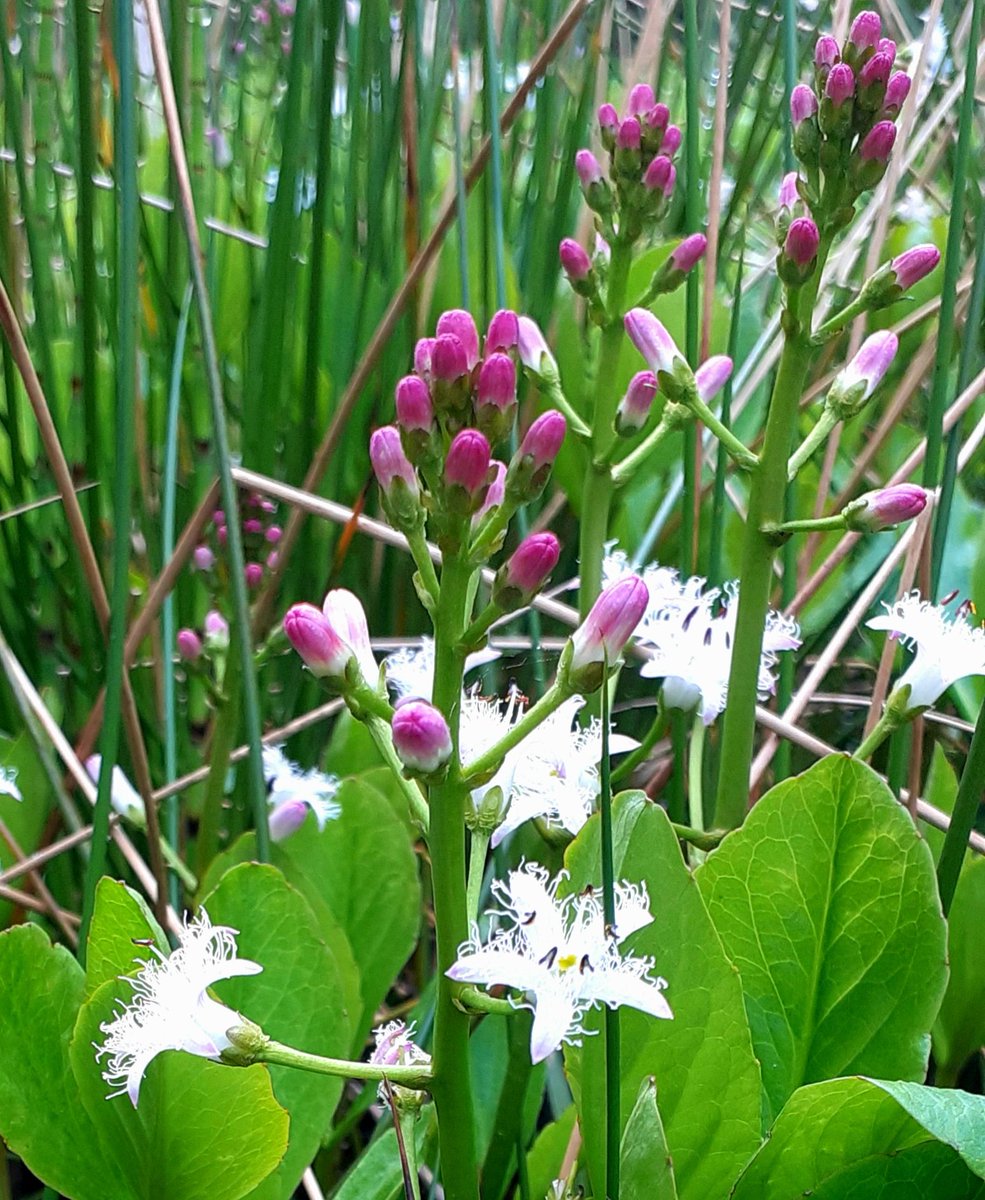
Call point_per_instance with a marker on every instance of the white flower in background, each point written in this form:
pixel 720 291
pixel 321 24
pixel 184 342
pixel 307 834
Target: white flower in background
pixel 123 796
pixel 171 1008
pixel 560 954
pixel 947 647
pixel 395 1047
pixel 291 792
pixel 410 670
pixel 484 721
pixel 8 783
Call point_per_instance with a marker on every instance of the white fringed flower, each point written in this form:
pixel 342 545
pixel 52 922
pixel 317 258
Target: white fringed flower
pixel 171 1008
pixel 561 955
pixel 947 647
pixel 395 1047
pixel 291 792
pixel 410 670
pixel 123 796
pixel 8 783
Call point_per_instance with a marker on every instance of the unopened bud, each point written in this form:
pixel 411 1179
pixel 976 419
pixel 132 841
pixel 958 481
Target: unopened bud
pixel 600 639
pixel 608 120
pixel 311 634
pixel 526 572
pixel 216 631
pixel 287 818
pixel 689 253
pixel 460 324
pixel 253 574
pixel 346 615
pixel 397 478
pixel 826 52
pixel 530 467
pixel 634 407
pixel 495 401
pixel 660 176
pixel 789 193
pixel 888 47
pixel 588 168
pixel 799 254
pixel 885 508
pixel 189 645
pixel 854 385
pixel 415 412
pixel 712 376
pixel 629 134
pixel 873 154
pixel 641 99
pixel 803 104
pixel 866 31
pixel 912 265
pixel 534 351
pixel 203 559
pixel 503 332
pixel 421 737
pixel 494 493
pixel 422 357
pixel 652 340
pixel 835 117
pixel 671 140
pixel 467 469
pixel 897 90
pixel 574 261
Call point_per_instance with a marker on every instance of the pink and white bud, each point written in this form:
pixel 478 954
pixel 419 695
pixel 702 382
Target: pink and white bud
pixel 897 90
pixel 497 382
pixel 651 338
pixel 641 99
pixel 216 630
pixel 287 818
pixel 629 134
pixel 421 737
pixel 877 145
pixel 203 559
pixel 875 71
pixel 503 332
pixel 449 358
pixel 574 260
pixel 671 140
pixel 803 104
pixel 467 463
pixel 713 374
pixel 634 407
pixel 802 241
pixel 871 362
pixel 885 508
pixel 789 195
pixel 660 175
pixel 494 493
pixel 689 253
pixel 347 617
pixel 389 462
pixel 840 86
pixel 311 634
pixel 913 265
pixel 422 356
pixel 588 168
pixel 826 52
pixel 532 562
pixel 189 645
pixel 543 439
pixel 273 534
pixel 253 574
pixel 610 624
pixel 459 323
pixel 608 119
pixel 532 345
pixel 414 408
pixel 866 30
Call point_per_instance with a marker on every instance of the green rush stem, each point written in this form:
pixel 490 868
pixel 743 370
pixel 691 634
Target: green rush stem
pixel 886 724
pixel 551 700
pixel 223 739
pixel 280 1055
pixel 613 1117
pixel 899 754
pixel 404 1122
pixel 963 815
pixel 695 762
pixel 717 534
pixel 422 559
pixel 598 485
pixel 477 867
pixel 451 1088
pixel 379 731
pixel 692 206
pixel 181 872
pixel 640 754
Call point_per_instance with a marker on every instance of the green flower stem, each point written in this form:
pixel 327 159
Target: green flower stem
pixel 808 525
pixel 887 724
pixel 550 702
pixel 379 731
pixel 963 815
pixel 624 470
pixel 452 1087
pixel 834 325
pixel 553 393
pixel 736 449
pixel 642 751
pixel 477 631
pixel 491 528
pixel 224 730
pixel 477 866
pixel 422 559
pixel 825 423
pixel 701 838
pixel 280 1055
pixel 471 999
pixel 365 701
pixel 173 859
pixel 599 485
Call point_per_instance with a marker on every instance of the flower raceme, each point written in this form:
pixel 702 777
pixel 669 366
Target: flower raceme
pixel 560 955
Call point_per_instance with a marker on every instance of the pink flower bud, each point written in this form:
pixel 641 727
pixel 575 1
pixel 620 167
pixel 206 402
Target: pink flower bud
pixel 689 253
pixel 458 322
pixel 203 558
pixel 629 135
pixel 421 737
pixel 888 47
pixel 532 562
pixel 494 493
pixel 913 265
pixel 875 71
pixel 449 360
pixel 897 90
pixel 878 142
pixel 826 52
pixel 253 525
pixel 610 624
pixel 803 104
pixel 287 818
pixel 840 85
pixel 870 364
pixel 652 340
pixel 222 535
pixel 467 463
pixel 802 241
pixel 866 31
pixel 189 644
pixel 788 190
pixel 497 382
pixel 414 407
pixel 253 574
pixel 532 345
pixel 712 376
pixel 422 356
pixel 671 141
pixel 574 260
pixel 347 617
pixel 588 168
pixel 608 119
pixel 216 629
pixel 324 653
pixel 634 407
pixel 218 517
pixel 657 117
pixel 503 332
pixel 389 461
pixel 886 507
pixel 272 560
pixel 543 439
pixel 273 534
pixel 641 99
pixel 660 175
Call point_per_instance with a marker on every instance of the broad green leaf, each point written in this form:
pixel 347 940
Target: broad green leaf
pixel 960 1026
pixel 827 903
pixel 120 920
pixel 201 1130
pixel 708 1080
pixel 646 1171
pixel 40 1116
pixel 546 1155
pixel 299 999
pixel 833 1139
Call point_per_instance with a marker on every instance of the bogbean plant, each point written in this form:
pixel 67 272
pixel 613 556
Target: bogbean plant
pixel 752 1019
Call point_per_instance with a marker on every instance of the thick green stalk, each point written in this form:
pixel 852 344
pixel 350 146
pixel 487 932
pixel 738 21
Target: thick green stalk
pixel 963 816
pixel 598 485
pixel 610 1016
pixel 451 1086
pixel 287 1056
pixel 550 702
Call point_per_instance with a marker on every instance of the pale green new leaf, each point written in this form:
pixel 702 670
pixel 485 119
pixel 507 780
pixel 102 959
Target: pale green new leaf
pixel 646 1170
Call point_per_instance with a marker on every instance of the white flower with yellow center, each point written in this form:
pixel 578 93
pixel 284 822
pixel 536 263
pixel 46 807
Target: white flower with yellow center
pixel 561 955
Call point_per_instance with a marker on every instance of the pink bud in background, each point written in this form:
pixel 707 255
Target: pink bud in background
pixel 449 360
pixel 272 559
pixel 253 574
pixel 803 104
pixel 467 463
pixel 574 260
pixel 650 337
pixel 414 407
pixel 503 332
pixel 273 534
pixel 203 558
pixel 641 99
pixel 660 175
pixel 634 407
pixel 712 376
pixel 219 517
pixel 788 190
pixel 912 265
pixel 875 71
pixel 897 90
pixel 347 617
pixel 878 142
pixel 629 134
pixel 840 85
pixel 497 382
pixel 532 345
pixel 221 535
pixel 189 644
pixel 389 461
pixel 802 241
pixel 610 624
pixel 421 736
pixel 422 356
pixel 324 653
pixel 826 52
pixel 543 439
pixel 253 525
pixel 608 119
pixel 689 253
pixel 886 507
pixel 532 562
pixel 888 47
pixel 216 628
pixel 671 141
pixel 870 364
pixel 494 492
pixel 657 117
pixel 588 168
pixel 287 818
pixel 866 30
pixel 459 323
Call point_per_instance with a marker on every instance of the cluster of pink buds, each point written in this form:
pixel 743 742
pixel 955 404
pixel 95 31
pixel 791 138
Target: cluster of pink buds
pixel 260 535
pixel 213 641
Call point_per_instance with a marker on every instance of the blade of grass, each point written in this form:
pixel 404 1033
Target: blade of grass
pixel 613 1117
